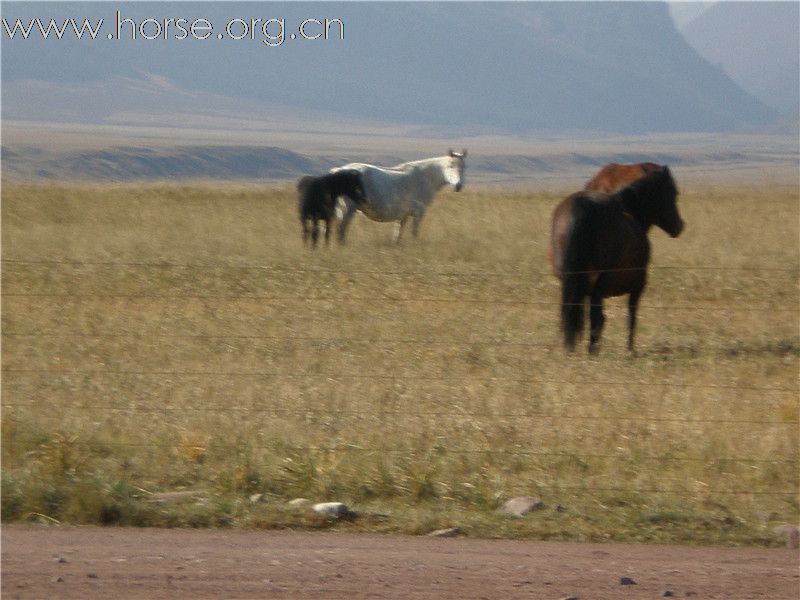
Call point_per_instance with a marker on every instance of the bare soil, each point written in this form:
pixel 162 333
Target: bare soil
pixel 93 562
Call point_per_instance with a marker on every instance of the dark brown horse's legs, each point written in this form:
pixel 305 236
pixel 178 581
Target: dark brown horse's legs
pixel 633 305
pixel 596 319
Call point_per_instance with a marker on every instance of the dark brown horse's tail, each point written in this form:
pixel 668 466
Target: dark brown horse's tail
pixel 575 276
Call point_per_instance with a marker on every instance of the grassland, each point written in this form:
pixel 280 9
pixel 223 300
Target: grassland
pixel 161 338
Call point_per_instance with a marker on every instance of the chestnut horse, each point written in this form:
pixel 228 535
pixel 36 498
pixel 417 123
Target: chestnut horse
pixel 614 176
pixel 599 248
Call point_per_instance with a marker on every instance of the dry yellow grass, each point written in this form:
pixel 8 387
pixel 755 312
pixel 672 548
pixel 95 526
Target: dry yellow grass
pixel 163 337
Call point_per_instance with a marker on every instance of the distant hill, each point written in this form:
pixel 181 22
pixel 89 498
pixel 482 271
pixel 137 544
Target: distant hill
pixel 565 161
pixel 132 163
pixel 757 44
pixel 497 67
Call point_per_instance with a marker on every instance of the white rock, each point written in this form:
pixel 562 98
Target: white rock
pixel 521 505
pixel 792 533
pixel 333 509
pixel 177 497
pixel 449 532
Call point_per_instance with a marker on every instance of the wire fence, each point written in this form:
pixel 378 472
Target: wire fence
pixel 780 309
pixel 772 308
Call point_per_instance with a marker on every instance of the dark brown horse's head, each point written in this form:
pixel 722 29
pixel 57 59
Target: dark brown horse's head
pixel 668 217
pixel 654 201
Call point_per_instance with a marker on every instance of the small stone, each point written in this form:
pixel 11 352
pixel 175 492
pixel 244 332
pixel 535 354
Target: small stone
pixel 522 505
pixel 375 516
pixel 177 497
pixel 298 502
pixel 449 532
pixel 59 580
pixel 626 581
pixel 333 509
pixel 571 598
pixel 792 533
pixel 667 594
pixel 61 559
pixel 767 516
pixel 92 575
pixel 256 498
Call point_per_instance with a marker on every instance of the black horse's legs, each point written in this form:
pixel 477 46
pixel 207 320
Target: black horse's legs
pixel 633 305
pixel 314 233
pixel 328 225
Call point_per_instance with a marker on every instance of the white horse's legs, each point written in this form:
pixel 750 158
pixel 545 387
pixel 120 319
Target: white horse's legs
pixel 349 213
pixel 399 226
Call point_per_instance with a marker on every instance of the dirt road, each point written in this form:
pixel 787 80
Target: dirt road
pixel 92 562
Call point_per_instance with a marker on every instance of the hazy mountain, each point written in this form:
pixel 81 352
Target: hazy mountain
pixel 596 66
pixel 684 12
pixel 757 44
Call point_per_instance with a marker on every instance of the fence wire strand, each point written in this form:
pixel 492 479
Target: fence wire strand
pixel 389 377
pixel 282 268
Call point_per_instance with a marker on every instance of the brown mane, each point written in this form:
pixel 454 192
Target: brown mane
pixel 614 176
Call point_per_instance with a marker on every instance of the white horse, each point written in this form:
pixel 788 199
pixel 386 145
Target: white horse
pixel 403 191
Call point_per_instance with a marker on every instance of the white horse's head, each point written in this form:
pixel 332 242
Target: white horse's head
pixel 454 169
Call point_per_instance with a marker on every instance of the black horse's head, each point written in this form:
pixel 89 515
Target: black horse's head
pixel 349 183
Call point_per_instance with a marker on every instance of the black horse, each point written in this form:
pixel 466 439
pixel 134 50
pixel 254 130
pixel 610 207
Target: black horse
pixel 599 248
pixel 317 200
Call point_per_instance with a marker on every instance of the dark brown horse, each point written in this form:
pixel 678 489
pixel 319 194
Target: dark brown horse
pixel 614 176
pixel 599 248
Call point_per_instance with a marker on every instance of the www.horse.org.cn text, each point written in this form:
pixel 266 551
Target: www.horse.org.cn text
pixel 270 32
